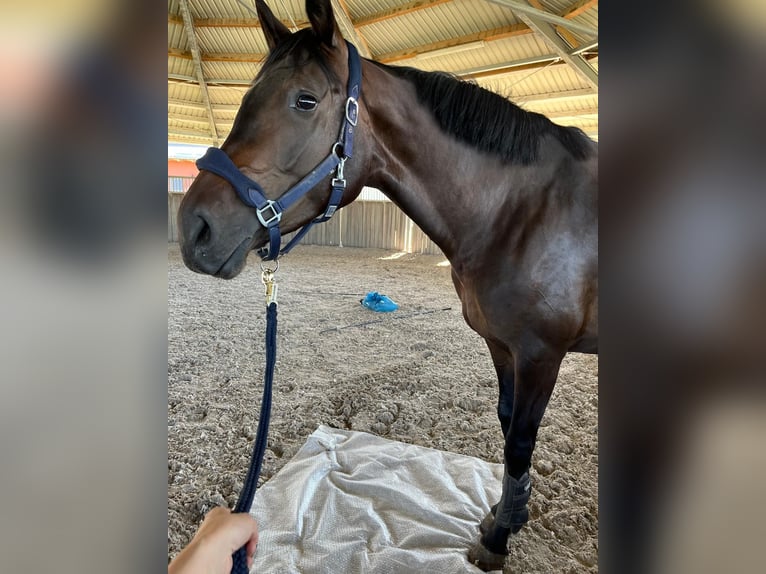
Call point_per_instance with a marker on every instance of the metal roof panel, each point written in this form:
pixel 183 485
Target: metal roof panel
pixel 553 89
pixel 238 40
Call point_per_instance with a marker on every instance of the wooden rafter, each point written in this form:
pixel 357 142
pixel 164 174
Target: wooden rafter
pixel 540 99
pixel 578 8
pixel 195 51
pixel 225 124
pixel 226 108
pixel 589 114
pixel 237 57
pixel 211 82
pixel 512 67
pixel 184 132
pixel 232 22
pixel 187 119
pixel 398 11
pixel 486 35
pixel 499 71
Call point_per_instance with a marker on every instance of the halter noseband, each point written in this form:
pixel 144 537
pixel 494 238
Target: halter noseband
pixel 269 211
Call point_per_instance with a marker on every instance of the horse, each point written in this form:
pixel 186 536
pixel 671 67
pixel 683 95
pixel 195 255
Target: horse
pixel 510 198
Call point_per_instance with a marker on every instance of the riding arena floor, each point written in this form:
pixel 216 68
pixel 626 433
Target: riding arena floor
pixel 419 375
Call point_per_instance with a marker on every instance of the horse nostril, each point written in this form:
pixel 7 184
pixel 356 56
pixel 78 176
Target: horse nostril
pixel 203 235
pixel 199 235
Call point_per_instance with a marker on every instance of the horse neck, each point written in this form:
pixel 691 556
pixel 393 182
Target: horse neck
pixel 445 186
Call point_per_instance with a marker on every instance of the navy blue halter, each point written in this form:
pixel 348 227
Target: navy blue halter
pixel 269 211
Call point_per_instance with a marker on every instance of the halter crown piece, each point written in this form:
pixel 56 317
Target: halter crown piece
pixel 269 211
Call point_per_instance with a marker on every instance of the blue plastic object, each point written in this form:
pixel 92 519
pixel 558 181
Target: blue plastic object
pixel 377 302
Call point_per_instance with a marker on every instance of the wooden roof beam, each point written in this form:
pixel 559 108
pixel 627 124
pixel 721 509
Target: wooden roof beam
pixel 189 27
pixel 573 115
pixel 578 8
pixel 542 99
pixel 499 70
pixel 232 22
pixel 518 66
pixel 184 132
pixel 398 11
pixel 188 119
pixel 202 121
pixel 226 108
pixel 211 82
pixel 487 36
pixel 236 57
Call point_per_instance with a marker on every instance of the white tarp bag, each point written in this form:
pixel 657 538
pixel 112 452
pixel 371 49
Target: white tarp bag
pixel 354 503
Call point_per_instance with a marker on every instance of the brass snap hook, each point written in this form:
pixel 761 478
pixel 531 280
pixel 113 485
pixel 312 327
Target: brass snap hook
pixel 267 277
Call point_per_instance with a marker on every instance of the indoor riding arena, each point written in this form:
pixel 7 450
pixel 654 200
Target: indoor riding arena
pixel 418 376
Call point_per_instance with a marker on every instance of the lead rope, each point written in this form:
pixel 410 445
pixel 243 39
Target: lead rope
pixel 245 501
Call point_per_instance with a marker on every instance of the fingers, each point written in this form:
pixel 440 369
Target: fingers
pixel 244 530
pixel 220 534
pixel 231 530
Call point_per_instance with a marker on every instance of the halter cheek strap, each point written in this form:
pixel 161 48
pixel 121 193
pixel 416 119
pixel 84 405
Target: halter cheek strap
pixel 269 211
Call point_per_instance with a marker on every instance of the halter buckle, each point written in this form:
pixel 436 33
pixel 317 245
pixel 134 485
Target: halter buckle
pixel 275 216
pixel 352 111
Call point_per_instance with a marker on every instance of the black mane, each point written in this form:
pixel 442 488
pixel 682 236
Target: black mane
pixel 489 122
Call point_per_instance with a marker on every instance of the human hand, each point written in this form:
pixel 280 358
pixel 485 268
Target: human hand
pixel 218 537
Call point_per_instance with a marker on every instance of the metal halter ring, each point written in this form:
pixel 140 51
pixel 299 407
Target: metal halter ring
pixel 267 269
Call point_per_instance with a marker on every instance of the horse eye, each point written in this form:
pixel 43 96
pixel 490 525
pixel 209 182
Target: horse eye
pixel 305 103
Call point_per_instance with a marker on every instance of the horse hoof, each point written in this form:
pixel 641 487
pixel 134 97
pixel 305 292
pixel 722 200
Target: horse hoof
pixel 486 524
pixel 479 556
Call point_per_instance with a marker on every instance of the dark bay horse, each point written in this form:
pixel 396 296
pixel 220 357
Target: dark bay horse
pixel 509 197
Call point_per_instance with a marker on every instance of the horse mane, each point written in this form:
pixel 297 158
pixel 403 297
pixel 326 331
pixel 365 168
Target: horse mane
pixel 486 120
pixel 489 122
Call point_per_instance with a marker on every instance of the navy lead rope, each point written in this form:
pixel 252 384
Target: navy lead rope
pixel 269 213
pixel 245 501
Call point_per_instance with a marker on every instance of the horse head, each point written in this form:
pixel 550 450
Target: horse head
pixel 288 122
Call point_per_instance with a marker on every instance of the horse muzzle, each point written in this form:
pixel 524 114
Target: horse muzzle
pixel 213 249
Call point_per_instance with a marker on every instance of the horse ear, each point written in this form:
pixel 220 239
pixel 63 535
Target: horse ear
pixel 322 21
pixel 272 27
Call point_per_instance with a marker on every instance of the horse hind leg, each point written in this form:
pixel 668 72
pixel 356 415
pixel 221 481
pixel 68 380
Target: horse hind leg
pixel 533 382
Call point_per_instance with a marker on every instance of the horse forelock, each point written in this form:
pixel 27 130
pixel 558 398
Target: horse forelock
pixel 305 47
pixel 486 120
